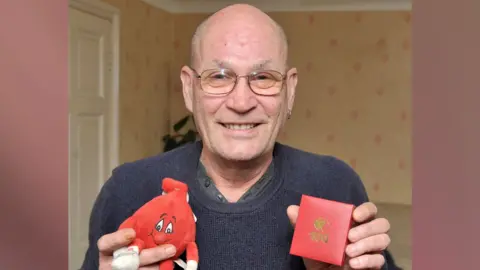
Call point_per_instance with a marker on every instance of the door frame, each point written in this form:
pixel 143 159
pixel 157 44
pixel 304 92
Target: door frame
pixel 112 14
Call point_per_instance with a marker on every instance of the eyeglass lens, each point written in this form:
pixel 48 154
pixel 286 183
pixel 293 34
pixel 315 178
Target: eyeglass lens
pixel 221 81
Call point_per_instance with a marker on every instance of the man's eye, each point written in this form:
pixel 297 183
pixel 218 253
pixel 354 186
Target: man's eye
pixel 262 76
pixel 218 76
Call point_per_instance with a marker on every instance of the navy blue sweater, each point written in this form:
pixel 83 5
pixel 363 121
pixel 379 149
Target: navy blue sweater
pixel 254 234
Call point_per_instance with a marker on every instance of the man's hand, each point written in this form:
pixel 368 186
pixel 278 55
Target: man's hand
pixel 367 239
pixel 148 258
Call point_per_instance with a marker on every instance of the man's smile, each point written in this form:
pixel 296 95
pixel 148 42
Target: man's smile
pixel 245 126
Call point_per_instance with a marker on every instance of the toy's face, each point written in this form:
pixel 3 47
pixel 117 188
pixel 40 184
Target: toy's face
pixel 166 230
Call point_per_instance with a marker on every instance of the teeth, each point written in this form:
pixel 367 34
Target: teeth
pixel 240 127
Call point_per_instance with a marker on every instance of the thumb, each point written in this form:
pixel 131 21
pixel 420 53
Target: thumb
pixel 292 213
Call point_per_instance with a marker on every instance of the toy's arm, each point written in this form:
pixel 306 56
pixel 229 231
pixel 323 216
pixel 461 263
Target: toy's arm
pixel 192 256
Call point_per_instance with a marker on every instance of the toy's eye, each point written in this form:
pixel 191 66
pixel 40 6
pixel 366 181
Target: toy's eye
pixel 169 228
pixel 159 225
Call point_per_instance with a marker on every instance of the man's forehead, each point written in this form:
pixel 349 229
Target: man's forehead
pixel 240 34
pixel 229 51
pixel 244 40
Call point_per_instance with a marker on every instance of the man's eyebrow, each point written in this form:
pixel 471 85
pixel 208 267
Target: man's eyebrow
pixel 262 64
pixel 258 66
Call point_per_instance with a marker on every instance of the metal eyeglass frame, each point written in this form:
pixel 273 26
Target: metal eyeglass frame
pixel 237 77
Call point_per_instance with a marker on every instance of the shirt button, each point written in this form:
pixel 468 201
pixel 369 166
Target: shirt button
pixel 207 183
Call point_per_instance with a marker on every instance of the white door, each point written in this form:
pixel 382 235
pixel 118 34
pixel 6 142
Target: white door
pixel 90 122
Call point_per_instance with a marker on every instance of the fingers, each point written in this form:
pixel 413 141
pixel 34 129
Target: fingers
pixel 292 213
pixel 369 237
pixel 105 262
pixel 370 244
pixel 373 261
pixel 108 243
pixel 364 212
pixel 374 227
pixel 149 258
pixel 156 254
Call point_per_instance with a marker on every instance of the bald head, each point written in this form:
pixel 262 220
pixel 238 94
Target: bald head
pixel 238 17
pixel 239 119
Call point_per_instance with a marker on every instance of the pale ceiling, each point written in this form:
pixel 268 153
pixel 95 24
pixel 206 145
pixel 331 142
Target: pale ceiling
pixel 207 6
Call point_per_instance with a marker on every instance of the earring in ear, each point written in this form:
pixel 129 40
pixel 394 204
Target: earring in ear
pixel 289 114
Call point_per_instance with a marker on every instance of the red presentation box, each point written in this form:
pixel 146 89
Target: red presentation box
pixel 321 230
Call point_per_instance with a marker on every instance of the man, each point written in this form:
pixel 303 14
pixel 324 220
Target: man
pixel 244 187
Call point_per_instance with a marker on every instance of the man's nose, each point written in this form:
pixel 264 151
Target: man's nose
pixel 242 99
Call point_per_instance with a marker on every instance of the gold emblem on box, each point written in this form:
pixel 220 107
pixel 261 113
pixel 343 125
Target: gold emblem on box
pixel 319 234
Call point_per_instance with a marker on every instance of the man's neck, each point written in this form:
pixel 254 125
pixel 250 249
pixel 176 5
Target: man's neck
pixel 234 178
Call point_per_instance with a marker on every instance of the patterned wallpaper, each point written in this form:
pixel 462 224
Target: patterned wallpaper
pixel 354 96
pixel 353 99
pixel 145 58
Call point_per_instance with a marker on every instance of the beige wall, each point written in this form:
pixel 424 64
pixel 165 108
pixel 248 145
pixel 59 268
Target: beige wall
pixel 353 98
pixel 145 58
pixel 354 95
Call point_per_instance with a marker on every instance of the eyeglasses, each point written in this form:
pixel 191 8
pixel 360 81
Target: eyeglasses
pixel 223 81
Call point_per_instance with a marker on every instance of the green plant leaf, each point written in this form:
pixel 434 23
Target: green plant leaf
pixel 170 144
pixel 191 136
pixel 172 141
pixel 165 138
pixel 181 123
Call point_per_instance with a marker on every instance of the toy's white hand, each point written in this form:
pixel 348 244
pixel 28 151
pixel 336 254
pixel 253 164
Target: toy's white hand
pixel 126 259
pixel 191 265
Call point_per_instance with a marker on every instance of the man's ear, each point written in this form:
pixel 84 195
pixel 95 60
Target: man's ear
pixel 291 87
pixel 188 79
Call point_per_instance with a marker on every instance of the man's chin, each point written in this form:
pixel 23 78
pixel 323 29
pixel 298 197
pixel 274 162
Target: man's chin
pixel 240 153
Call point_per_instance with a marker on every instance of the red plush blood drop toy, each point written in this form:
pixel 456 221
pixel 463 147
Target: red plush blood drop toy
pixel 166 219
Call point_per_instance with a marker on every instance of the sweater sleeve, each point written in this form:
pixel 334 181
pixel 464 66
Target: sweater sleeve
pixel 346 186
pixel 107 213
pixel 355 192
